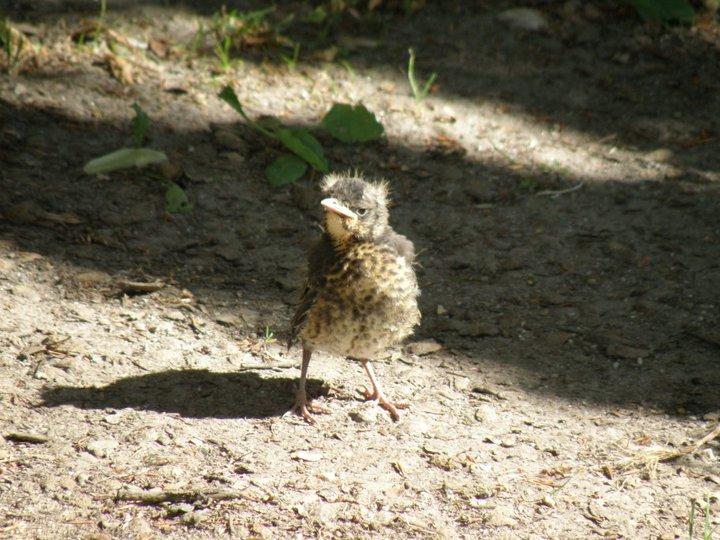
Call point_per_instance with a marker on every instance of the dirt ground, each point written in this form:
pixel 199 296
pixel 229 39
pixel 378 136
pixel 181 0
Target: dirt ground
pixel 561 186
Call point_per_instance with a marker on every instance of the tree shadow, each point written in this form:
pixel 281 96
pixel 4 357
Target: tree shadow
pixel 192 393
pixel 606 294
pixel 597 74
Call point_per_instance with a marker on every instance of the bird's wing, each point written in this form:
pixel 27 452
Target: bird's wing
pixel 401 244
pixel 320 258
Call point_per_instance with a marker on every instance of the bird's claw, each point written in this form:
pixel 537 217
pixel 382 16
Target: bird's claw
pixel 304 407
pixel 385 403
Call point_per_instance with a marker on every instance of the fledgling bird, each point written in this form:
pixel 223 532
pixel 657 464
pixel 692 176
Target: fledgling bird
pixel 361 292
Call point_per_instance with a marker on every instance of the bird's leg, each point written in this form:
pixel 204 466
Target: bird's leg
pixel 302 403
pixel 377 394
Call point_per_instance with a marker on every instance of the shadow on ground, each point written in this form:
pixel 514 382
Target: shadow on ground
pixel 597 70
pixel 191 393
pixel 607 294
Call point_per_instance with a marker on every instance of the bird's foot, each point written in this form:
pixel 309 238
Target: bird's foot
pixel 385 403
pixel 304 407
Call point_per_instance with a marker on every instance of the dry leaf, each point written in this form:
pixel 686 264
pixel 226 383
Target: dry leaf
pixel 159 47
pixel 120 69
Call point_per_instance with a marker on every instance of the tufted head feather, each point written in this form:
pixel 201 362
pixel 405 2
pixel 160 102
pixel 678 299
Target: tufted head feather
pixel 368 200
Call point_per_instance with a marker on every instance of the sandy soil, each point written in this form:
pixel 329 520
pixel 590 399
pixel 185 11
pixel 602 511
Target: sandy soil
pixel 562 189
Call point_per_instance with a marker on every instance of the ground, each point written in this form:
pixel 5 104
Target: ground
pixel 563 193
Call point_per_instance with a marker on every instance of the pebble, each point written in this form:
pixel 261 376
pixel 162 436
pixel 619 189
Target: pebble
pixel 227 319
pixel 227 139
pixel 307 455
pixel 365 415
pixel 486 413
pixel 421 348
pixel 626 351
pixel 91 278
pixel 26 292
pixel 528 19
pixel 660 155
pixel 500 516
pixel 101 447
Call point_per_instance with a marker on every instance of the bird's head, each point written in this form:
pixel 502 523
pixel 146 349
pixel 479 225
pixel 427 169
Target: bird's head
pixel 354 208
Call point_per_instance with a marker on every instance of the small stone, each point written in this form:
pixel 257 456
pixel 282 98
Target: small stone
pixel 26 292
pixel 101 447
pixel 712 416
pixel 422 348
pixel 365 415
pixel 433 447
pixel 180 508
pixel 549 501
pixel 661 155
pixel 231 252
pixel 461 384
pixel 91 278
pixel 528 19
pixel 249 315
pixel 441 310
pixel 307 455
pixel 227 139
pixel 227 319
pixel 235 158
pixel 113 418
pixel 500 517
pixel 486 413
pixel 194 518
pixel 626 351
pixel 555 339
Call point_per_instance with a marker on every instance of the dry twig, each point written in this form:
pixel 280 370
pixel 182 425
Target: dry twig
pixel 159 496
pixel 649 459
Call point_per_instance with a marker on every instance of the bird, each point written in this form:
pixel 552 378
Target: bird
pixel 360 296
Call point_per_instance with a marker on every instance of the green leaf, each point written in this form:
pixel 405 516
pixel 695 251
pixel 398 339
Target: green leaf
pixel 304 146
pixel 229 96
pixel 309 140
pixel 140 125
pixel 285 170
pixel 124 159
pixel 317 15
pixel 176 200
pixel 665 11
pixel 352 124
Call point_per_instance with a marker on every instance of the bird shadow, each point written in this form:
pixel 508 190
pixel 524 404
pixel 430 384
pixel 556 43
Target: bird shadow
pixel 193 393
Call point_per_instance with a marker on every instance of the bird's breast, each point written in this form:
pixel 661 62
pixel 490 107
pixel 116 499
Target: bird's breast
pixel 369 302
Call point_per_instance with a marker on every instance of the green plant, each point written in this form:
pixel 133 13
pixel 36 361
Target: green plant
pixel 352 124
pixel 269 336
pixel 222 51
pixel 344 122
pixel 418 92
pixel 528 184
pixel 708 530
pixel 665 11
pixel 291 61
pixel 13 44
pixel 139 156
pixel 232 30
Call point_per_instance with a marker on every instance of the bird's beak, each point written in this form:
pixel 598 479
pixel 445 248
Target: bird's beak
pixel 333 205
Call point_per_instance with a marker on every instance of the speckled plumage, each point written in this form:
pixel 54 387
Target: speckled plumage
pixel 361 294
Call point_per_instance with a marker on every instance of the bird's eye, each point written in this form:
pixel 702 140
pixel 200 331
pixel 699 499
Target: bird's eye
pixel 361 211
